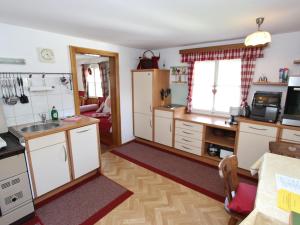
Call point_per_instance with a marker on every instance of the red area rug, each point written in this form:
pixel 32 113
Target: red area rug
pixel 196 175
pixel 83 205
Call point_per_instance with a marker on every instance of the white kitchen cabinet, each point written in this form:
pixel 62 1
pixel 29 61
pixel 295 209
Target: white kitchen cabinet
pixel 50 167
pixel 163 130
pixel 85 149
pixel 143 92
pixel 143 126
pixel 253 143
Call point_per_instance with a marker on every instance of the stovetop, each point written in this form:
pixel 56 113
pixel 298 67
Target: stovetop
pixel 13 146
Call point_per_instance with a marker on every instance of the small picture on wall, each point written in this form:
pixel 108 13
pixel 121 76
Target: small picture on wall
pixel 179 74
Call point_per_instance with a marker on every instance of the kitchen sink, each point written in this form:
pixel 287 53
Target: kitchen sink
pixel 39 127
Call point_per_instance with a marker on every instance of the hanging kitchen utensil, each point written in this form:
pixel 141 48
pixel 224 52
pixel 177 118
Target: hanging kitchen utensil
pixel 12 100
pixel 23 99
pixel 2 89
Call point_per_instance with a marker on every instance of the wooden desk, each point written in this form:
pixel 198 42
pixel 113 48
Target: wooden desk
pixel 266 210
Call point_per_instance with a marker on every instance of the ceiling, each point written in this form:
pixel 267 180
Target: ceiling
pixel 153 24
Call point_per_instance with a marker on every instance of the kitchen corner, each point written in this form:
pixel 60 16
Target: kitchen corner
pixel 60 153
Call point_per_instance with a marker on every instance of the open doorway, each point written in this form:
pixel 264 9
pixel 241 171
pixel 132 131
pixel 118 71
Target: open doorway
pixel 96 91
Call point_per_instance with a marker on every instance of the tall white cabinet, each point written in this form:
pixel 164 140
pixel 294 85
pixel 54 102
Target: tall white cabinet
pixel 146 95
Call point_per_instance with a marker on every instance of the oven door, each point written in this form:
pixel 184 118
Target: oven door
pixel 292 104
pixel 13 192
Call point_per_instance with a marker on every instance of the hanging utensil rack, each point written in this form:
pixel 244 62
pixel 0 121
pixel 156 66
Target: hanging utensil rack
pixel 32 73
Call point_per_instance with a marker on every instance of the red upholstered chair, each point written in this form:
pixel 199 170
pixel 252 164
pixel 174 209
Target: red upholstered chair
pixel 240 197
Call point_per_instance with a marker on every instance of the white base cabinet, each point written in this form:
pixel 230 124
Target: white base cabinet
pixel 163 128
pixel 85 149
pixel 143 126
pixel 50 167
pixel 253 143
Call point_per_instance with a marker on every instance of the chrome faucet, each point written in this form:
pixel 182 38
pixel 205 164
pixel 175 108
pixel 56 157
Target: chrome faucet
pixel 43 117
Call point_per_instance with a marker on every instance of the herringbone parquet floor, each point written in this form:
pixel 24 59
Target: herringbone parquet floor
pixel 156 199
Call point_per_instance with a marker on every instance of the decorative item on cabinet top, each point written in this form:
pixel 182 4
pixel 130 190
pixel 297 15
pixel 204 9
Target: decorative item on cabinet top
pixel 147 62
pixel 179 74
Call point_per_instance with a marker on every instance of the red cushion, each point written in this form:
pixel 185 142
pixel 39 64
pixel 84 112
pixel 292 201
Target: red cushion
pixel 244 199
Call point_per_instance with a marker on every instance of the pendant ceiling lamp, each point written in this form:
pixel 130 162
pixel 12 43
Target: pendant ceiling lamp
pixel 259 37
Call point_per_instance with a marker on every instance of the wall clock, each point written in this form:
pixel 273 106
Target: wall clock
pixel 46 55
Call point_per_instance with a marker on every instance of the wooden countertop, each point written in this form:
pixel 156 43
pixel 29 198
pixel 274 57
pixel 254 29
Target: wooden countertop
pixel 213 121
pixel 64 126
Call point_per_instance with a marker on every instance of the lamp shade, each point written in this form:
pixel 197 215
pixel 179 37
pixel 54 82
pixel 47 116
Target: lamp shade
pixel 258 38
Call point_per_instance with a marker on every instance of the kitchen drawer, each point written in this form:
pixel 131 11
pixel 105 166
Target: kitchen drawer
pixel 291 135
pixel 162 113
pixel 188 133
pixel 45 141
pixel 188 148
pixel 188 141
pixel 189 126
pixel 258 129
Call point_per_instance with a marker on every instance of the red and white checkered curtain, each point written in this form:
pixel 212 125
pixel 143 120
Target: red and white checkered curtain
pixel 248 56
pixel 104 75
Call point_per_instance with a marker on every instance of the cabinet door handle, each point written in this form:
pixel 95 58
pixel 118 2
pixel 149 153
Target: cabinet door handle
pixel 150 123
pixel 170 127
pixel 187 125
pixel 185 147
pixel 150 107
pixel 186 140
pixel 82 131
pixel 186 132
pixel 297 135
pixel 255 128
pixel 65 151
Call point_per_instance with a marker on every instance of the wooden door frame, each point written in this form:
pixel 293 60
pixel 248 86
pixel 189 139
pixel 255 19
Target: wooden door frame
pixel 114 86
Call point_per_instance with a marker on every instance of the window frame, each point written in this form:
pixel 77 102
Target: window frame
pixel 215 86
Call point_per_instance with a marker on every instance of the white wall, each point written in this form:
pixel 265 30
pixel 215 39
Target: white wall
pixel 283 50
pixel 19 42
pixel 61 96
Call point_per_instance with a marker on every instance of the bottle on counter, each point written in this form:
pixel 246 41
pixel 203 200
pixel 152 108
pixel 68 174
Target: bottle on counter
pixel 54 113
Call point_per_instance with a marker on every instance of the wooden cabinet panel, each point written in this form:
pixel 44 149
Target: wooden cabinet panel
pixel 85 149
pixel 259 129
pixel 162 113
pixel 251 147
pixel 189 126
pixel 188 133
pixel 143 126
pixel 290 135
pixel 50 167
pixel 163 131
pixel 188 148
pixel 188 141
pixel 142 92
pixel 47 140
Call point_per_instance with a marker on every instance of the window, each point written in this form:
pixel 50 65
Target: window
pixel 94 83
pixel 216 86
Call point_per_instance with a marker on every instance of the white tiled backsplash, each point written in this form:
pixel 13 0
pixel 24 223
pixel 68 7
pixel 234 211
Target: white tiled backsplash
pixel 41 102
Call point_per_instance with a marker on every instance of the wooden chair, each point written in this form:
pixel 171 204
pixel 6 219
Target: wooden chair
pixel 236 192
pixel 285 148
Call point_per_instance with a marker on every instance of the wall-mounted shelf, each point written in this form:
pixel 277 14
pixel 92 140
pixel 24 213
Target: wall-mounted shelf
pixel 270 83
